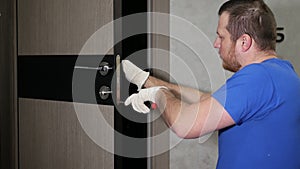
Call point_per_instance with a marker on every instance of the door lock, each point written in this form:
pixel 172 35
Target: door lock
pixel 104 68
pixel 104 92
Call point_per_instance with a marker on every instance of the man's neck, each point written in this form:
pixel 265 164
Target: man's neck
pixel 258 57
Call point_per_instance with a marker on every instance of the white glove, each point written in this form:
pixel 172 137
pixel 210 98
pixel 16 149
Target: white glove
pixel 137 100
pixel 134 74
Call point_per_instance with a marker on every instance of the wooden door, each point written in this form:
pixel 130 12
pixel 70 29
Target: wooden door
pixel 59 124
pixel 51 35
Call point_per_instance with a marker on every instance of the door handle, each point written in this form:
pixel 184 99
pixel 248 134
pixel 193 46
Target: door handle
pixel 118 81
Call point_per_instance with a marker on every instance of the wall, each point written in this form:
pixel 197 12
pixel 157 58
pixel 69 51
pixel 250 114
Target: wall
pixel 194 62
pixel 194 153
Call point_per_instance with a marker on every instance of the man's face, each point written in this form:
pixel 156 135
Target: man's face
pixel 225 45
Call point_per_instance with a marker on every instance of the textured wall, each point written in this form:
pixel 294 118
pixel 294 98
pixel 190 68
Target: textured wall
pixel 287 15
pixel 189 67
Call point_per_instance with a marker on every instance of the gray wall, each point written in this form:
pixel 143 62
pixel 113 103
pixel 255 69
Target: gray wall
pixel 191 59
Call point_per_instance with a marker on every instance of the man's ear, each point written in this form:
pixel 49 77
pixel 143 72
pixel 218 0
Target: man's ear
pixel 245 42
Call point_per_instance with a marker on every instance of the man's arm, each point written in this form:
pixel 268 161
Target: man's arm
pixel 189 112
pixel 187 94
pixel 192 120
pixel 141 78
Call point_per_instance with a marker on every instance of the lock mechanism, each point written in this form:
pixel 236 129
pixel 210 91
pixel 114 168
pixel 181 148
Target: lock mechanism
pixel 104 92
pixel 104 68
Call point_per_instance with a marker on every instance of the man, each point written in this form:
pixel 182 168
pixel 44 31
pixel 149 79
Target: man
pixel 257 111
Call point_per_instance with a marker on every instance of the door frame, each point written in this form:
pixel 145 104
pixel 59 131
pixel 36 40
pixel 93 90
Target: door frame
pixel 159 60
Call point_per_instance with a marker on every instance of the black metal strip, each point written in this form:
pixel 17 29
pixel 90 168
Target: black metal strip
pixel 125 48
pixel 51 77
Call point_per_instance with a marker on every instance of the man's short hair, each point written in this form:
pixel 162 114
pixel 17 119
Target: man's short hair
pixel 252 17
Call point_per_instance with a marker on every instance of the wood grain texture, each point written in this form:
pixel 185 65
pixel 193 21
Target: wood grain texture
pixel 8 114
pixel 63 26
pixel 51 135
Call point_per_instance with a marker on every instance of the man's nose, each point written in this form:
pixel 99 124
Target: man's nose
pixel 217 43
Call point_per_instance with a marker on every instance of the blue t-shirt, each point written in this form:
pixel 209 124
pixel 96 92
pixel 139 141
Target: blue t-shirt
pixel 264 101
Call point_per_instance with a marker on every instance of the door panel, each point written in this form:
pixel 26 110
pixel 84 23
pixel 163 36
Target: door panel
pixel 62 26
pixel 52 137
pixel 51 35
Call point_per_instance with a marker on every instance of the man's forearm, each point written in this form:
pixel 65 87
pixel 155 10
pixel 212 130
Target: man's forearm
pixel 186 94
pixel 164 99
pixel 183 118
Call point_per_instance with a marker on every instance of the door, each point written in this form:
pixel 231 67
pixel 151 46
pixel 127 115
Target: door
pixel 70 87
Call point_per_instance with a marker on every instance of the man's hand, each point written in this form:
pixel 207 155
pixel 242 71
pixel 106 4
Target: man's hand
pixel 134 74
pixel 137 100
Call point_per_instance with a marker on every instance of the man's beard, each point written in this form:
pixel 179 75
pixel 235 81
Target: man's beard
pixel 231 64
pixel 233 67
